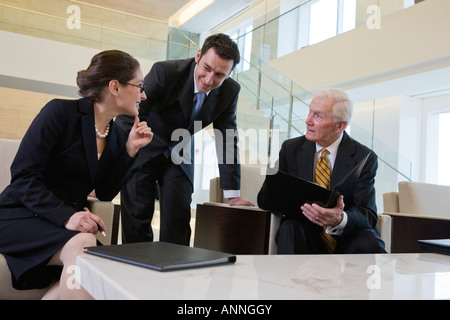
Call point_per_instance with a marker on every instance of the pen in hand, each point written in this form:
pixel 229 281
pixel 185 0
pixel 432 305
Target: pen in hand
pixel 99 228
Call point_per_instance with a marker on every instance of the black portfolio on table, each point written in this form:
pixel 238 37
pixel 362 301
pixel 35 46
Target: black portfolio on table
pixel 285 194
pixel 441 246
pixel 162 256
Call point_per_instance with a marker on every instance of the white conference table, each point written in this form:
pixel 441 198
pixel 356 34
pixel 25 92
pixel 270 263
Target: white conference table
pixel 276 277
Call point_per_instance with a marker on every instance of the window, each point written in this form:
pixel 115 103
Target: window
pixel 348 15
pixel 326 19
pixel 443 149
pixel 323 20
pixel 408 3
pixel 243 38
pixel 247 48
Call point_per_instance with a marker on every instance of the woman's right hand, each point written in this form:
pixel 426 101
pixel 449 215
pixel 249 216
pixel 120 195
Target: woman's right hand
pixel 84 221
pixel 140 135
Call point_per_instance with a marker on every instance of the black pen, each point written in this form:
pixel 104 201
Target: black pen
pixel 99 228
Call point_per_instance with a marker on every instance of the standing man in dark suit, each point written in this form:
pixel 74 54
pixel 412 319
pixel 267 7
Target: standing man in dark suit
pixel 349 227
pixel 171 88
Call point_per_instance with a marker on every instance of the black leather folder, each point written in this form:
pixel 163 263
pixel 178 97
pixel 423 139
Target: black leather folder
pixel 162 256
pixel 284 194
pixel 441 246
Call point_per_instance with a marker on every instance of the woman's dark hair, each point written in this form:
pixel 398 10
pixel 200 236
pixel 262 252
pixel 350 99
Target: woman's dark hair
pixel 106 66
pixel 224 47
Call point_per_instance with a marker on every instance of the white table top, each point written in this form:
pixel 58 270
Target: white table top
pixel 272 277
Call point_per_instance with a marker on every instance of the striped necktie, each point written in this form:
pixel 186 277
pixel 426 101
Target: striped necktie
pixel 323 170
pixel 322 177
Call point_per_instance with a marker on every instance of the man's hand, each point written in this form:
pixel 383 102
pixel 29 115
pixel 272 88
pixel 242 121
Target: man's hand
pixel 238 201
pixel 325 217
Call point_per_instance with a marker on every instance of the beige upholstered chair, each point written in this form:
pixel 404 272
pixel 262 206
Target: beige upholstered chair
pixel 106 210
pixel 418 211
pixel 252 178
pixel 384 225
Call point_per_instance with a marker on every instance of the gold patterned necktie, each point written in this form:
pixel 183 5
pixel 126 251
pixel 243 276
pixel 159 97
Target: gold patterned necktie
pixel 323 170
pixel 322 177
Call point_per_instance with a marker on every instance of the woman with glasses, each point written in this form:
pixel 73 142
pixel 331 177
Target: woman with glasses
pixel 71 148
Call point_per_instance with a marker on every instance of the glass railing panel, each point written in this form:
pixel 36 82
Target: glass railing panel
pixel 176 51
pixel 99 28
pixel 275 97
pixel 277 91
pixel 248 79
pixel 291 29
pixel 182 44
pixel 291 123
pixel 283 83
pixel 386 154
pixel 279 84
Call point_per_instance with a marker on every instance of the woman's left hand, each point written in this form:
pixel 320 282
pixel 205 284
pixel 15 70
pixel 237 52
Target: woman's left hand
pixel 140 135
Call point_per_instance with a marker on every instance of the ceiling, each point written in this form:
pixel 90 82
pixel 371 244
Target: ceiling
pixel 222 10
pixel 154 9
pixel 219 11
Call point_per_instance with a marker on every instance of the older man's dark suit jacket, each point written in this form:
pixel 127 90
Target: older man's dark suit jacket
pixel 170 93
pixel 297 158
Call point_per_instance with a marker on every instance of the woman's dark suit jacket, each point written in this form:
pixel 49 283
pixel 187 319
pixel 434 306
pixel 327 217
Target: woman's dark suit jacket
pixel 55 169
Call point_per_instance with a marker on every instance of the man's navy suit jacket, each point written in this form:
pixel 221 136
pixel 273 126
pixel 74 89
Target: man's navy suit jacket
pixel 169 87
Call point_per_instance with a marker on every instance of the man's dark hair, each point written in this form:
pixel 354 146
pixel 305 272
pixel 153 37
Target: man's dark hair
pixel 224 47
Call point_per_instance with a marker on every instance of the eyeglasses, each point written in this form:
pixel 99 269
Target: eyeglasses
pixel 141 87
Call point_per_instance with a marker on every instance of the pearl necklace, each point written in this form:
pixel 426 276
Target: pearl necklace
pixel 102 136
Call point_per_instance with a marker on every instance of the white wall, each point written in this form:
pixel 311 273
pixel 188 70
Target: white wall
pixel 431 109
pixel 410 136
pixel 395 128
pixel 45 60
pixel 409 41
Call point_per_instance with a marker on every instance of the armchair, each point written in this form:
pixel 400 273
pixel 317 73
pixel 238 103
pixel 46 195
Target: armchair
pixel 418 211
pixel 236 229
pixel 106 210
pixel 247 230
